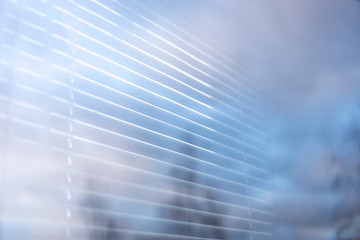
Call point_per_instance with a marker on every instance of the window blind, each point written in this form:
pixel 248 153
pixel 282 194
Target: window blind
pixel 118 123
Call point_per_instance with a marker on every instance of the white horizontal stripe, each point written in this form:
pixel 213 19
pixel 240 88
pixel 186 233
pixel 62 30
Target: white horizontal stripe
pixel 222 216
pixel 167 164
pixel 215 89
pixel 159 190
pixel 39 59
pixel 117 105
pixel 4 98
pixel 116 196
pixel 9 15
pixel 30 89
pixel 27 71
pixel 158 147
pixel 118 39
pixel 32 40
pixel 4 62
pixel 182 31
pixel 34 26
pixel 123 80
pixel 27 123
pixel 28 105
pixel 48 223
pixel 237 161
pixel 111 35
pixel 7 30
pixel 93 67
pixel 30 9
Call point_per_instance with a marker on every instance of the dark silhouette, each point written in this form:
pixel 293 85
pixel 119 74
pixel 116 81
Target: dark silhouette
pixel 104 224
pixel 347 184
pixel 192 204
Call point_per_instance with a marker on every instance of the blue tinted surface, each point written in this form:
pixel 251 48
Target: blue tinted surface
pixel 119 124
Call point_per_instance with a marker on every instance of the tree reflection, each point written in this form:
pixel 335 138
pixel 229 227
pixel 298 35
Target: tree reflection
pixel 347 185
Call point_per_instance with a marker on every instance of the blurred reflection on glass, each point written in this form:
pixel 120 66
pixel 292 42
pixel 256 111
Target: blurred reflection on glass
pixel 119 124
pixel 139 120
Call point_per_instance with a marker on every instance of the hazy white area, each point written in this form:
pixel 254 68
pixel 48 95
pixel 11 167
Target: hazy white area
pixel 302 57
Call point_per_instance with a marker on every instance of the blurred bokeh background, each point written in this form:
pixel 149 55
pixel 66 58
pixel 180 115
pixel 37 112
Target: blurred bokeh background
pixel 305 56
pixel 160 119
